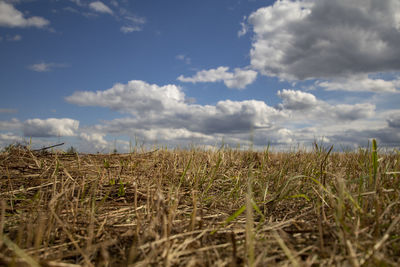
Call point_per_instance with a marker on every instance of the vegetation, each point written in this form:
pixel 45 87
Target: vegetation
pixel 200 208
pixel 71 150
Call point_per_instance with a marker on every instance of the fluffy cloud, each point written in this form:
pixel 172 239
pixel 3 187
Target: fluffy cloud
pixel 238 79
pixel 100 7
pixel 297 100
pixel 11 17
pixel 305 107
pixel 297 40
pixel 97 139
pixel 50 127
pixel 136 97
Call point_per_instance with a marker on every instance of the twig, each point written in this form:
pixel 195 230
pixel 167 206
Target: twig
pixel 44 148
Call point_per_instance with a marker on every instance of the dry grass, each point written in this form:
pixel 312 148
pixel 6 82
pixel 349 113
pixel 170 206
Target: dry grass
pixel 200 208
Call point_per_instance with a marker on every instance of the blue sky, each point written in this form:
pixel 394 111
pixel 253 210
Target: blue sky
pixel 96 74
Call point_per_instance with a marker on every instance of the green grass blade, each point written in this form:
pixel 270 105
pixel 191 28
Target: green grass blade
pixel 231 218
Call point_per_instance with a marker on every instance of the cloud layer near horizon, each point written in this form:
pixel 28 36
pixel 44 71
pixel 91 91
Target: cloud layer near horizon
pixel 162 114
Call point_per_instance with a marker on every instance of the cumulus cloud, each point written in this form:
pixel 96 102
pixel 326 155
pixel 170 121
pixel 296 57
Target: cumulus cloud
pixel 239 79
pixel 162 114
pixel 96 139
pixel 305 107
pixel 51 127
pixel 164 106
pixel 136 97
pixel 100 7
pixel 11 17
pixel 296 40
pixel 297 100
pixel 45 67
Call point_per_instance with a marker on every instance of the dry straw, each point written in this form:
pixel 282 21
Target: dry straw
pixel 200 208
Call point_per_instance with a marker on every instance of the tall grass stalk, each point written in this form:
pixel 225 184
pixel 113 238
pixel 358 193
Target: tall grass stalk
pixel 250 221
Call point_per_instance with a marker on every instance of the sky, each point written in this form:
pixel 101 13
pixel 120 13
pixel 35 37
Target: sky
pixel 105 75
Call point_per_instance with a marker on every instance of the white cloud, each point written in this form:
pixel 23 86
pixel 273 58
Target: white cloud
pixel 9 138
pixel 306 108
pixel 10 125
pixel 244 27
pixel 51 127
pixel 129 22
pixel 360 83
pixel 184 58
pixel 100 7
pixel 77 2
pixel 136 97
pixel 11 17
pixel 135 19
pixel 96 139
pixel 132 23
pixel 297 100
pixel 297 40
pixel 13 38
pixel 238 79
pixel 45 67
pixel 129 29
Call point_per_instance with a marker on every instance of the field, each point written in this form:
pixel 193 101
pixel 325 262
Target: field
pixel 199 207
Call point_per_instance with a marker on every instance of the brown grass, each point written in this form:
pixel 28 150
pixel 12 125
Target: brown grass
pixel 200 208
